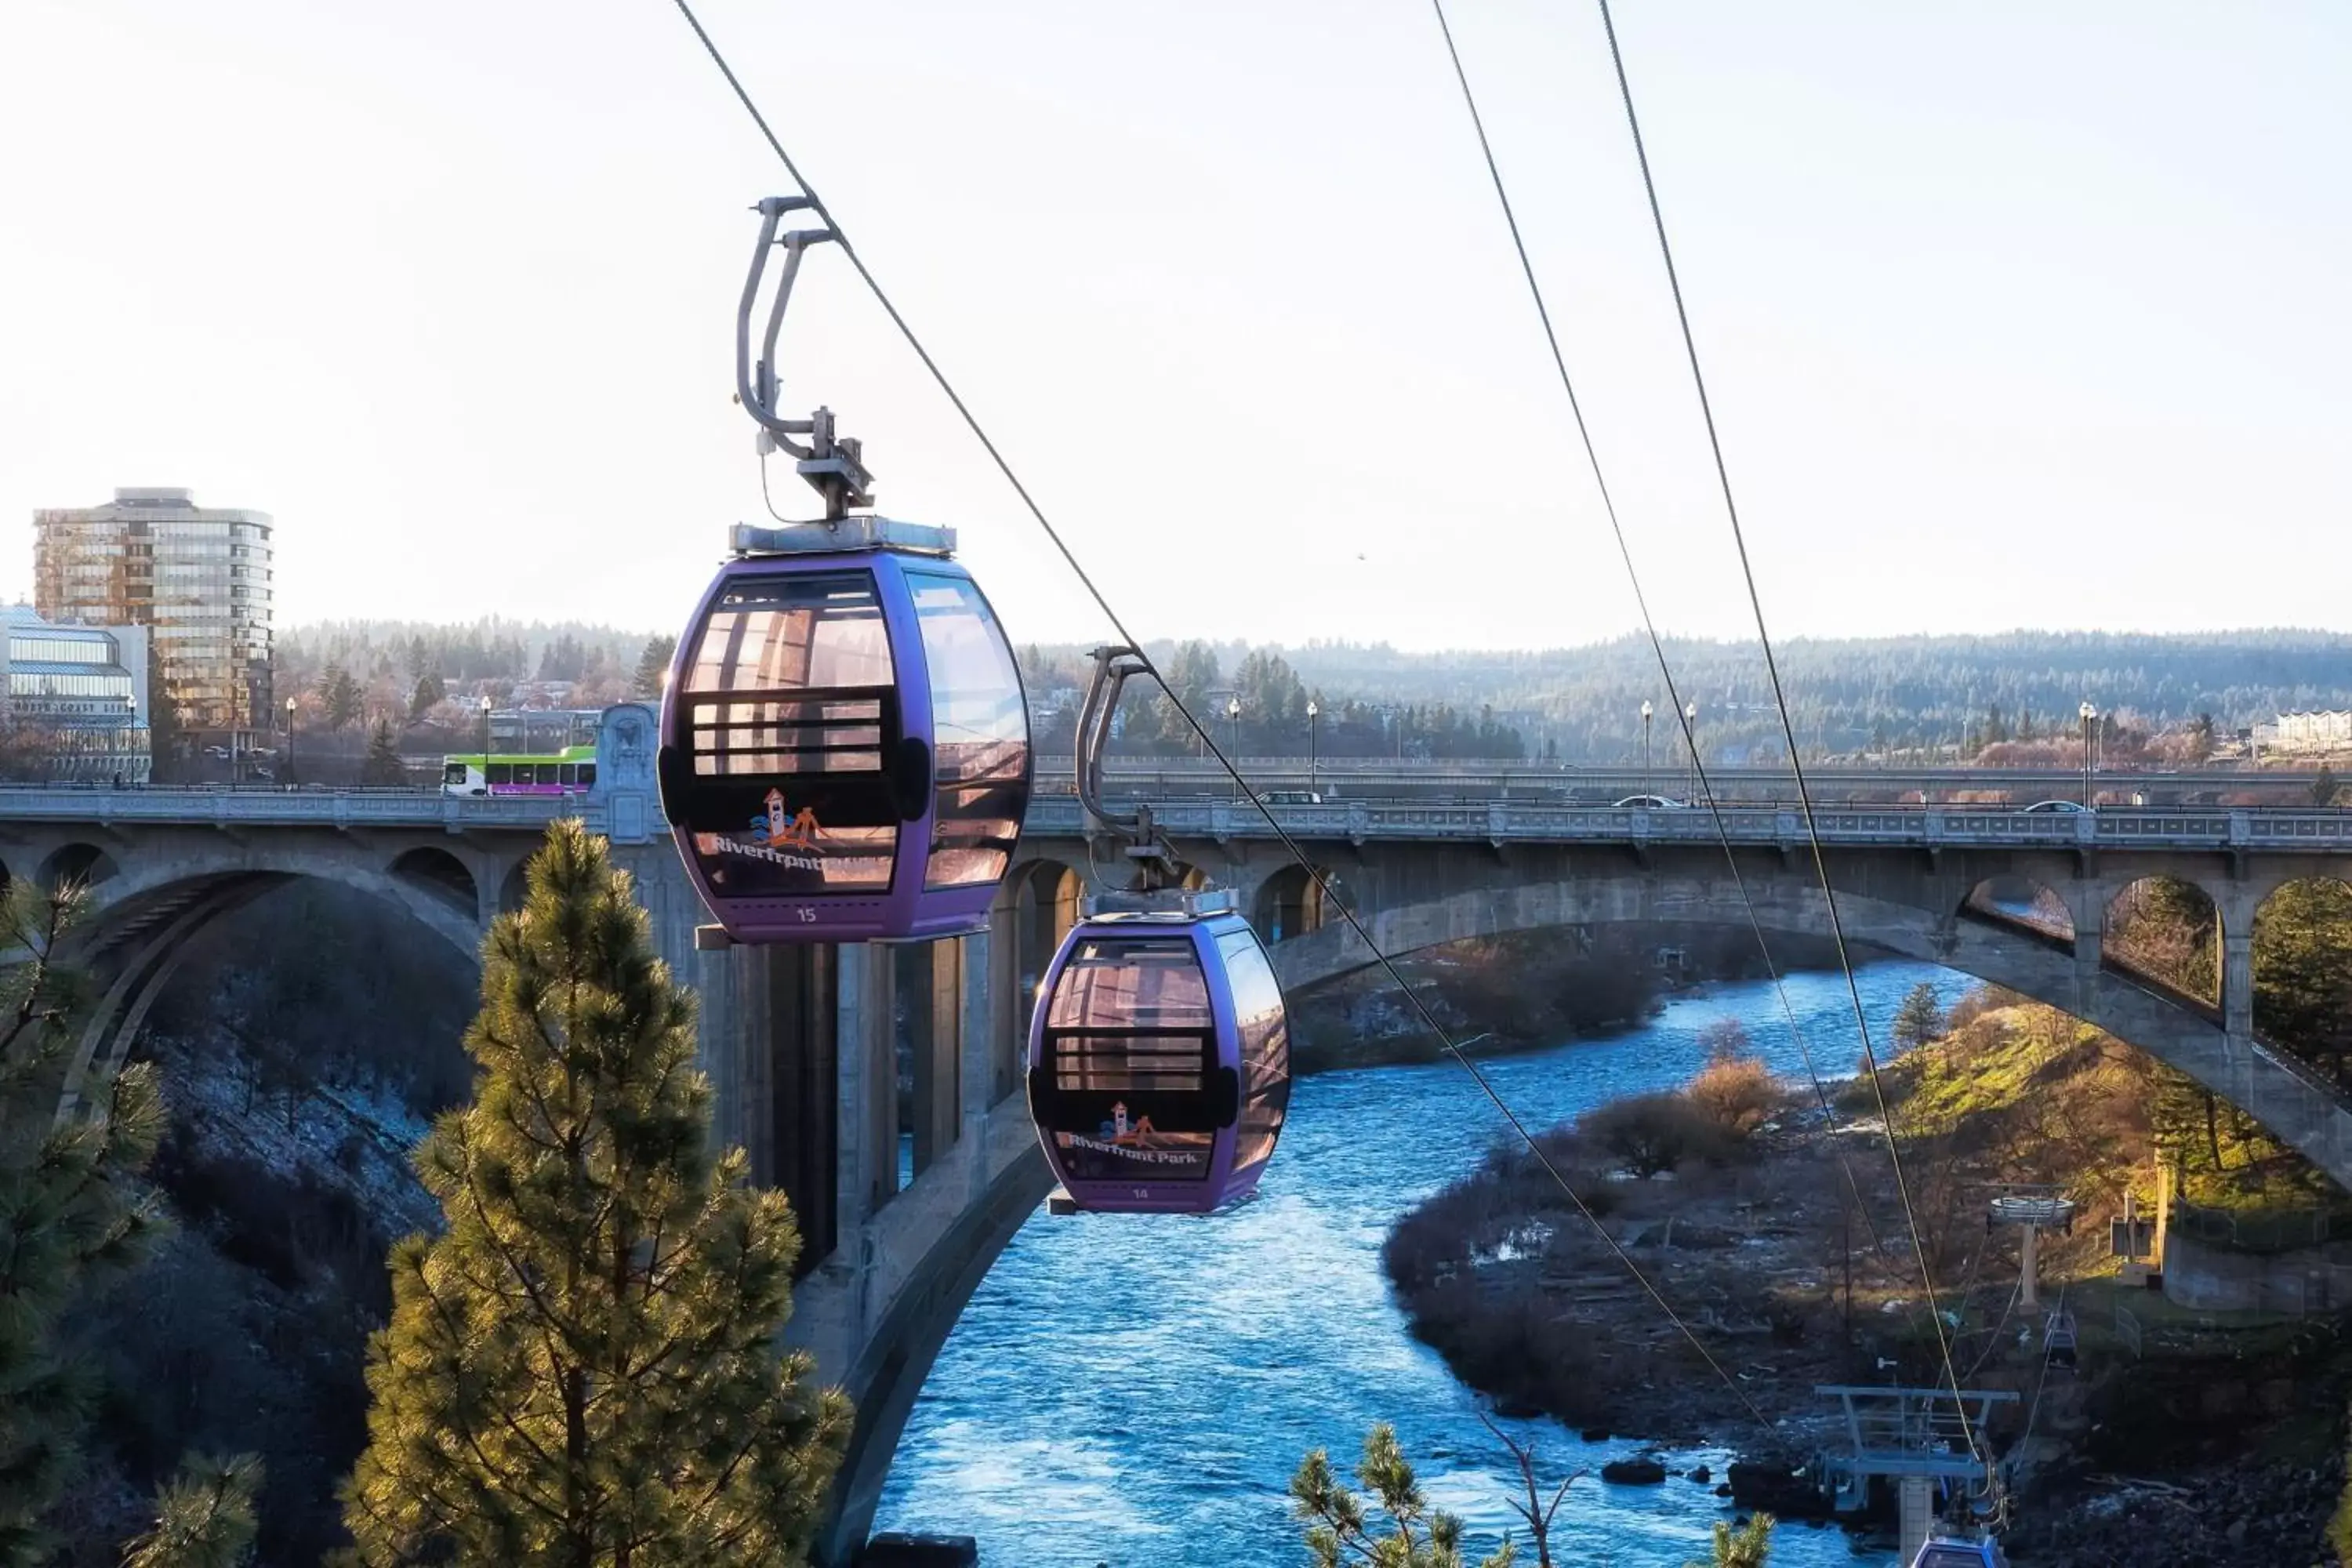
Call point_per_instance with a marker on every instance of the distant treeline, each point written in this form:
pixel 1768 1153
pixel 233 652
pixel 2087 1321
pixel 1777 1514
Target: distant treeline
pixel 1877 695
pixel 488 649
pixel 1884 696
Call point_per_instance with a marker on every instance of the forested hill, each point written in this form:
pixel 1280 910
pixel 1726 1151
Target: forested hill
pixel 1582 704
pixel 1846 695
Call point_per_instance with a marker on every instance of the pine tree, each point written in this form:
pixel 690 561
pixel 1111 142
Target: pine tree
pixel 1337 1529
pixel 382 766
pixel 583 1370
pixel 68 1206
pixel 653 665
pixel 1750 1546
pixel 203 1519
pixel 430 691
pixel 1919 1020
pixel 340 696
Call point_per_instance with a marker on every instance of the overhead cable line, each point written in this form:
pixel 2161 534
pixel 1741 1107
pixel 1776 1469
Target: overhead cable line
pixel 1780 702
pixel 1330 895
pixel 1650 625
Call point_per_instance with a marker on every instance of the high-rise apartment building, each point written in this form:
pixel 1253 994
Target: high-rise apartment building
pixel 198 577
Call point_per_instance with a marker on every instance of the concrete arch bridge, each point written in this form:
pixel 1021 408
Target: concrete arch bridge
pixel 837 1068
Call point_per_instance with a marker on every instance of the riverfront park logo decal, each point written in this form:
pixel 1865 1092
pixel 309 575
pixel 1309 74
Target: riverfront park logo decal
pixel 778 835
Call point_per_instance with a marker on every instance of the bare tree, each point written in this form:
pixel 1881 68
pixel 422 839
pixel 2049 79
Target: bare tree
pixel 1534 1508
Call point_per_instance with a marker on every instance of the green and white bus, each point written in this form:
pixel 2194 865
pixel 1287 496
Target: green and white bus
pixel 571 771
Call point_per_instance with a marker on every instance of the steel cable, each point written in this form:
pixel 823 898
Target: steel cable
pixel 1329 894
pixel 1780 702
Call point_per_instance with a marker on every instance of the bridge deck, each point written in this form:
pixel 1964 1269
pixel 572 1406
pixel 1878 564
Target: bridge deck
pixel 2311 831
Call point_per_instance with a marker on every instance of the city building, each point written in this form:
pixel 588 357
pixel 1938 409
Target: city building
pixel 197 577
pixel 76 700
pixel 2321 731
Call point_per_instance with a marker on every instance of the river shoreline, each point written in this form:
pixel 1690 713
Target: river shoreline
pixel 1138 1392
pixel 1532 1309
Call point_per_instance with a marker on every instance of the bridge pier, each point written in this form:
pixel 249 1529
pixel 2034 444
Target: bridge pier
pixel 875 1311
pixel 2238 979
pixel 2090 917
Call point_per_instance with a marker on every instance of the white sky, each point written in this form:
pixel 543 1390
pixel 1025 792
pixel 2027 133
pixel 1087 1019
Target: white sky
pixel 2013 317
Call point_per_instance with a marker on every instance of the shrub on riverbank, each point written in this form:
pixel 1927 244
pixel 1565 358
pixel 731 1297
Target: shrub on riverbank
pixel 1652 1134
pixel 1735 1092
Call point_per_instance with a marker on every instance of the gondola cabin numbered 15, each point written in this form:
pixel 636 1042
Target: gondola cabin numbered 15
pixel 845 748
pixel 1160 1060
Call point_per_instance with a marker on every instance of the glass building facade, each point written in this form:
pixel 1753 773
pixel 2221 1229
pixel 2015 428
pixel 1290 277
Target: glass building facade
pixel 198 578
pixel 76 700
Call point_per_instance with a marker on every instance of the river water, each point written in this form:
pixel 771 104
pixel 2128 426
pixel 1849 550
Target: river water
pixel 1135 1392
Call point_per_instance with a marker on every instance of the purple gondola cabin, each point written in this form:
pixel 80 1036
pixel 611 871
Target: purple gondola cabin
pixel 1159 1062
pixel 845 748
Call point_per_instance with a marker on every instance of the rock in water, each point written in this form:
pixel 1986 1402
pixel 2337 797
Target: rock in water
pixel 1775 1489
pixel 1638 1471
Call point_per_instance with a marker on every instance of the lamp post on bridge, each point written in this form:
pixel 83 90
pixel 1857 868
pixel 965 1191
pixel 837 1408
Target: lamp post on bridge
pixel 1690 743
pixel 486 743
pixel 1234 717
pixel 290 739
pixel 2090 717
pixel 1311 711
pixel 1646 745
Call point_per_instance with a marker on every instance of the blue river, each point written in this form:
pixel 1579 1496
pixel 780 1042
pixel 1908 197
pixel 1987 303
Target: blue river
pixel 1135 1392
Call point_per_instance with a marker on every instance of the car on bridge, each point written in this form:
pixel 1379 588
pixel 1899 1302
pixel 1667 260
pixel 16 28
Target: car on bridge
pixel 1651 802
pixel 1290 797
pixel 2057 806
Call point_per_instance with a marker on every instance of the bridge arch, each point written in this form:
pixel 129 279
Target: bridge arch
pixel 2293 1103
pixel 437 874
pixel 2302 929
pixel 2168 931
pixel 1288 904
pixel 143 923
pixel 2023 903
pixel 79 861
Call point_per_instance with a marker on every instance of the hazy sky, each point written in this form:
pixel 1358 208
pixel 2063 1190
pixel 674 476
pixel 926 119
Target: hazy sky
pixel 2015 313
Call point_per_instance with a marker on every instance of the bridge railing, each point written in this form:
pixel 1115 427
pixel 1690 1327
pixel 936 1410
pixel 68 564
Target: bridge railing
pixel 2281 830
pixel 281 807
pixel 2290 830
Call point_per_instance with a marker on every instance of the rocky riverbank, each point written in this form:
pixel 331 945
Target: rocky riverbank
pixel 2250 1514
pixel 1776 1235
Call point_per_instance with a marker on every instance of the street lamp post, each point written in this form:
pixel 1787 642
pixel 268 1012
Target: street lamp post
pixel 1690 743
pixel 1646 745
pixel 2090 717
pixel 486 743
pixel 290 739
pixel 1233 718
pixel 1311 711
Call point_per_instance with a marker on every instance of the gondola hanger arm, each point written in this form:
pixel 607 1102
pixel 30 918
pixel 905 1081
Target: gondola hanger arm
pixel 1143 844
pixel 834 466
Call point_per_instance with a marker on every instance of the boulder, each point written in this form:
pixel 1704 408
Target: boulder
pixel 1640 1470
pixel 1776 1491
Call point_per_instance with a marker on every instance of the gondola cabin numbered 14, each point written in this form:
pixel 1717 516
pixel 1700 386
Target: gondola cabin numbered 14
pixel 845 748
pixel 1159 1061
